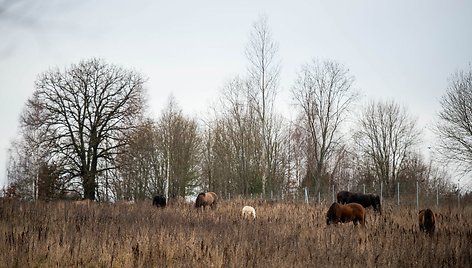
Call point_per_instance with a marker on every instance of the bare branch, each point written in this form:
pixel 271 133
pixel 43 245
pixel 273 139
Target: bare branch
pixel 454 128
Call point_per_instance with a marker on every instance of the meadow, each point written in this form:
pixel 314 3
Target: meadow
pixel 66 234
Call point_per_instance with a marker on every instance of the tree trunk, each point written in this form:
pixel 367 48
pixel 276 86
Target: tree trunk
pixel 89 187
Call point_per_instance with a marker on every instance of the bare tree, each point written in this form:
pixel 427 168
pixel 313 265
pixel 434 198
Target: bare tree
pixel 180 146
pixel 217 173
pixel 28 159
pixel 80 109
pixel 22 170
pixel 243 148
pixel 32 170
pixel 263 71
pixel 160 158
pixel 232 157
pixel 454 128
pixel 140 165
pixel 323 92
pixel 385 137
pixel 235 143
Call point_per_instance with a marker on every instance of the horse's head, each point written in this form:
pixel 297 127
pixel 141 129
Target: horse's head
pixel 200 200
pixel 332 214
pixel 206 199
pixel 375 202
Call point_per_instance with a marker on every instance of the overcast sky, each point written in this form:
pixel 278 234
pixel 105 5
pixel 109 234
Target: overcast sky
pixel 397 50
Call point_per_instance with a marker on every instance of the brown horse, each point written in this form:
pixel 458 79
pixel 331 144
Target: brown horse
pixel 345 213
pixel 206 199
pixel 427 221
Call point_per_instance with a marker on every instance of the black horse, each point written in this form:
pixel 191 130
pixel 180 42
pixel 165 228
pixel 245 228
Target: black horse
pixel 159 201
pixel 366 200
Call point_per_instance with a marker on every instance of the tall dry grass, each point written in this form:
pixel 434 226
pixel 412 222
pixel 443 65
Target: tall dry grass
pixel 60 234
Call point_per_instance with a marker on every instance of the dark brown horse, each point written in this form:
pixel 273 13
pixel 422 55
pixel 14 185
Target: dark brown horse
pixel 427 221
pixel 159 201
pixel 206 199
pixel 366 200
pixel 345 213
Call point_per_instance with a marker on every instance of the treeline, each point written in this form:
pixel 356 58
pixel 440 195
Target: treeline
pixel 85 130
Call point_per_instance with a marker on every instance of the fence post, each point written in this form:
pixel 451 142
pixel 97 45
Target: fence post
pixel 381 193
pixel 417 196
pixel 306 195
pixel 364 188
pixel 333 194
pixel 437 195
pixel 398 194
pixel 319 198
pixel 271 195
pixel 458 196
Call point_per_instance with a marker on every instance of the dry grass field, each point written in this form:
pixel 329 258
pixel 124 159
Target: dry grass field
pixel 62 234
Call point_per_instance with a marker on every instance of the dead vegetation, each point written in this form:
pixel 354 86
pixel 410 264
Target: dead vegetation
pixel 68 234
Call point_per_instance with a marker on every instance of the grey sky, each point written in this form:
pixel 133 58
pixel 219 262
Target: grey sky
pixel 400 50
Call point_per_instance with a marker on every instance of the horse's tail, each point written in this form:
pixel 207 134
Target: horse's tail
pixel 214 201
pixel 429 219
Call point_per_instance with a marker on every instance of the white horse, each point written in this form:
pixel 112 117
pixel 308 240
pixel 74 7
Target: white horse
pixel 248 212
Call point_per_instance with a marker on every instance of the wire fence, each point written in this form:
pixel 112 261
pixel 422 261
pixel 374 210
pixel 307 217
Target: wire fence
pixel 410 195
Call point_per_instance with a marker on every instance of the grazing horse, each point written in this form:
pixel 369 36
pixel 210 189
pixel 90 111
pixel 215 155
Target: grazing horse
pixel 248 212
pixel 427 221
pixel 159 201
pixel 345 213
pixel 206 199
pixel 366 200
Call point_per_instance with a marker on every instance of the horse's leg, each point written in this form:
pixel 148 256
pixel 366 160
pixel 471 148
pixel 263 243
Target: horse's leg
pixel 377 208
